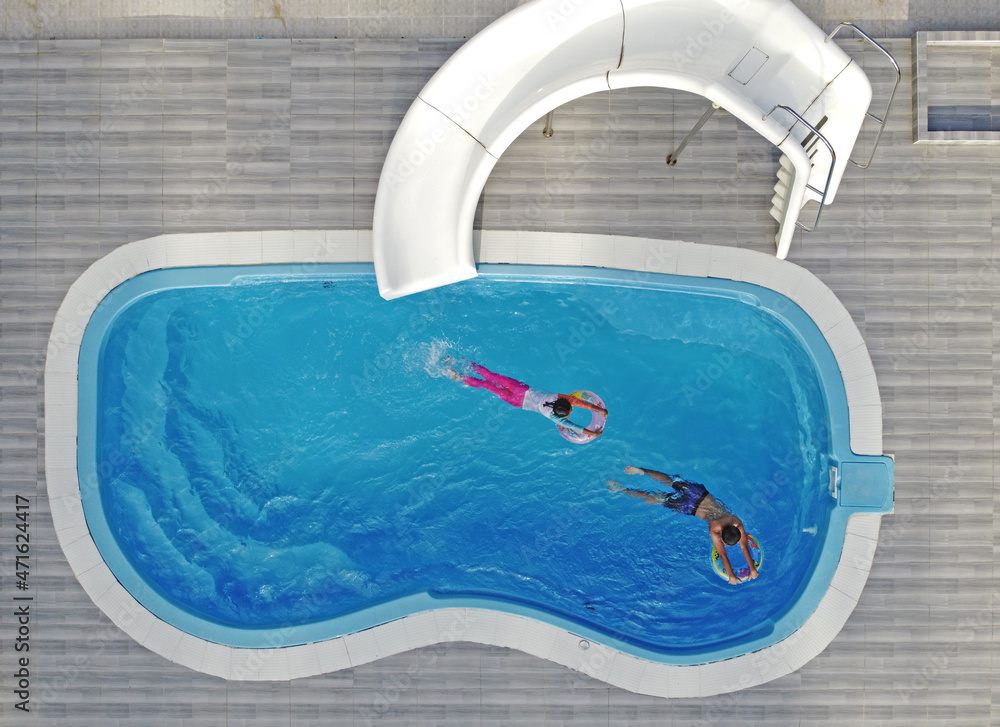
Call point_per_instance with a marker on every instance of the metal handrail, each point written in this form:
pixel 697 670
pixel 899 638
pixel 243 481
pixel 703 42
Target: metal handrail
pixel 829 175
pixel 899 75
pixel 672 156
pixel 547 130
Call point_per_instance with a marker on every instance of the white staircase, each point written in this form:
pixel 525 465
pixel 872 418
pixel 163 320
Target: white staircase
pixel 786 173
pixel 828 123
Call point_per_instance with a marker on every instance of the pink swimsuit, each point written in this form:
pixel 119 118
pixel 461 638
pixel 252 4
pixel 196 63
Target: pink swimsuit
pixel 510 390
pixel 519 394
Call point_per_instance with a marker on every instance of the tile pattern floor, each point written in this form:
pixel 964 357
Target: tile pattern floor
pixel 103 142
pixel 394 19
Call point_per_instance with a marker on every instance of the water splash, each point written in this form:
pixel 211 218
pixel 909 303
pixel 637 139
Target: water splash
pixel 434 354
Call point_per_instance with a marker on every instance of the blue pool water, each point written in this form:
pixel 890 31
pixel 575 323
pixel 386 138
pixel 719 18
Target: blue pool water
pixel 263 452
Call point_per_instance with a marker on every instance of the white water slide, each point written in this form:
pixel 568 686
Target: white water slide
pixel 763 61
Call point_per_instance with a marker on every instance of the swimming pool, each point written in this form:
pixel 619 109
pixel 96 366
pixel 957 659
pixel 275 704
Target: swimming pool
pixel 382 516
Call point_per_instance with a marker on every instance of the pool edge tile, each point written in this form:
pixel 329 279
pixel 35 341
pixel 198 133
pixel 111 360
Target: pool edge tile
pixel 422 629
pixel 189 651
pixel 661 256
pixel 301 661
pixel 392 638
pixel 693 259
pixel 216 660
pixel 509 630
pixel 275 242
pixel 480 626
pixel 627 671
pixel 162 639
pixel 332 655
pixel 246 248
pixel 498 246
pixel 726 263
pixel 366 253
pixel 567 650
pixel 597 253
pixel 537 639
pixel 362 647
pixel 83 556
pixel 97 581
pixel 865 525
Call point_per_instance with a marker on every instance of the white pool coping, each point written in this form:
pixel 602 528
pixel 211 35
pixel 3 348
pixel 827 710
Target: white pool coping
pixel 455 624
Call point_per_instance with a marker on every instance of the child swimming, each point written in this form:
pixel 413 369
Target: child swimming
pixel 555 407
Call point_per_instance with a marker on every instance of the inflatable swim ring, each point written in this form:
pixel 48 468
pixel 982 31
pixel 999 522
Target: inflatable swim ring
pixel 756 553
pixel 596 419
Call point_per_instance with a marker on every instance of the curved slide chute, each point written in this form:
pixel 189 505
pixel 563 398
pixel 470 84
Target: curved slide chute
pixel 754 58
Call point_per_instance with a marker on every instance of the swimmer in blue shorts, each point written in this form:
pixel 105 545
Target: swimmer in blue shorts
pixel 690 498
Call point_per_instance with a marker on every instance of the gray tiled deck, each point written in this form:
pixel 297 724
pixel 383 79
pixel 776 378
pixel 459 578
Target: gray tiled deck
pixel 104 142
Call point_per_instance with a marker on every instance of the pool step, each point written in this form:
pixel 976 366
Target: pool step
pixel 779 202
